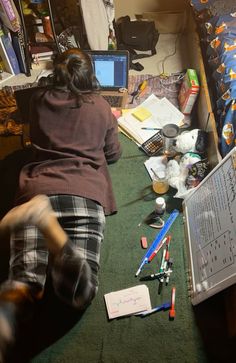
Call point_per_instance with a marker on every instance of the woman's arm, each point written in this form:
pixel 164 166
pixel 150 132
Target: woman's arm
pixel 112 147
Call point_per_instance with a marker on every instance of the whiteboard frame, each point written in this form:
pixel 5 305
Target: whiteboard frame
pixel 199 295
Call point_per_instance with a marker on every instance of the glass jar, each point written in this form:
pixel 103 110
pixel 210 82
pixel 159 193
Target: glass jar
pixel 169 134
pixel 160 183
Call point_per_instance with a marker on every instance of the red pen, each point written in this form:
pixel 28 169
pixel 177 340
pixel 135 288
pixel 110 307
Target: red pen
pixel 167 248
pixel 172 308
pixel 158 249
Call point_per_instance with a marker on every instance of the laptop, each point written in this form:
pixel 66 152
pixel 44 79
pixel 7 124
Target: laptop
pixel 111 68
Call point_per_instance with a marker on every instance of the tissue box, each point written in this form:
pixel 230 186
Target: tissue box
pixel 188 91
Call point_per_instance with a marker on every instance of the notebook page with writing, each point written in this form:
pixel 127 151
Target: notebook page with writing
pixel 128 301
pixel 161 111
pixel 134 127
pixel 167 113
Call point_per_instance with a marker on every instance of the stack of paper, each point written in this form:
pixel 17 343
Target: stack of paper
pixel 128 301
pixel 162 112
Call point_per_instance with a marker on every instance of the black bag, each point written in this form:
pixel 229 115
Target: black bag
pixel 136 35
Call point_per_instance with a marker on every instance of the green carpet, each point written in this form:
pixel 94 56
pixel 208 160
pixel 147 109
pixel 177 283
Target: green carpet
pixel 95 339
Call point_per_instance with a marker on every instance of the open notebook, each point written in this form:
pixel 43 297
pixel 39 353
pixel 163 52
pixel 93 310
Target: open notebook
pixel 160 112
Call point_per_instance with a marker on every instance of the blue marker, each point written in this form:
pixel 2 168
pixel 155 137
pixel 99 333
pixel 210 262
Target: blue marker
pixel 150 128
pixel 165 306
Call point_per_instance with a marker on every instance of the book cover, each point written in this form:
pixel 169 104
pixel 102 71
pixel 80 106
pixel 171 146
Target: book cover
pixel 10 53
pixel 3 54
pixel 9 15
pixel 18 45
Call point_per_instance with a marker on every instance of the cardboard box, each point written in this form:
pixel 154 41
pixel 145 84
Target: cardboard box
pixel 188 91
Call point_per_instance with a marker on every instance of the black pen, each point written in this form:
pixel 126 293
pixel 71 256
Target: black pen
pixel 152 276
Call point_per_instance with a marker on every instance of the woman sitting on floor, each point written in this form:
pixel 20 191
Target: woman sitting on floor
pixel 74 135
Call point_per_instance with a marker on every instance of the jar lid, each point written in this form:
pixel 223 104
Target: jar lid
pixel 170 131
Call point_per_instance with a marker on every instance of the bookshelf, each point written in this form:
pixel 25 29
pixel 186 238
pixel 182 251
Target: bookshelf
pixel 30 29
pixel 65 27
pixel 44 22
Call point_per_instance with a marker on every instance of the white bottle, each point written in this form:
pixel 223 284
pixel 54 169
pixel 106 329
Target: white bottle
pixel 160 205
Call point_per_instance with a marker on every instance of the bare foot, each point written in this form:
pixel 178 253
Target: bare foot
pixel 35 212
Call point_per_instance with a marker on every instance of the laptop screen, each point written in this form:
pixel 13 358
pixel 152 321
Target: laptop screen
pixel 111 68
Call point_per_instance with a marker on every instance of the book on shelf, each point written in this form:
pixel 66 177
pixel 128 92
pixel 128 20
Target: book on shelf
pixel 9 15
pixel 42 64
pixel 158 113
pixel 41 50
pixel 8 54
pixel 36 58
pixel 19 47
pixel 41 56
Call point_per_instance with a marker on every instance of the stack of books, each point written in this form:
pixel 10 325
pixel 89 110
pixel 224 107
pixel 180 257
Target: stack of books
pixel 42 56
pixel 9 60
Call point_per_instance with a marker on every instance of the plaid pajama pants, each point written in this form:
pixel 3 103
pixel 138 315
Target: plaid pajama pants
pixel 74 271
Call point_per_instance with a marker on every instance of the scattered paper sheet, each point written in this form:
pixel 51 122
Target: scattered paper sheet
pixel 128 301
pixel 156 163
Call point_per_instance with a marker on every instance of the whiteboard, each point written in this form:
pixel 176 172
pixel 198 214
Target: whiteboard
pixel 210 216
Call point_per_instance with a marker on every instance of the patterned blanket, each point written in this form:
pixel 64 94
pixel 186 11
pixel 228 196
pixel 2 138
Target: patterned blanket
pixel 10 120
pixel 161 86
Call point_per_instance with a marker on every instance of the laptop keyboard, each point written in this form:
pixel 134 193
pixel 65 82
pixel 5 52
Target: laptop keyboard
pixel 114 100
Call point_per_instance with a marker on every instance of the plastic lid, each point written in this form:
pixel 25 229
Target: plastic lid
pixel 160 201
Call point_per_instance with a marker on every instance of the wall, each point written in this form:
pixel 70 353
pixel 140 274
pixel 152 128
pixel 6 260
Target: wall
pixel 132 7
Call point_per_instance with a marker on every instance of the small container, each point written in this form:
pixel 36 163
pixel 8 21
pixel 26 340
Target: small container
pixel 39 27
pixel 47 27
pixel 160 183
pixel 169 133
pixel 160 206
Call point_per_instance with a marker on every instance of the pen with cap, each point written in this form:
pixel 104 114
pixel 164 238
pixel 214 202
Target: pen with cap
pixel 164 306
pixel 157 275
pixel 150 128
pixel 157 249
pixel 162 269
pixel 167 254
pixel 172 308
